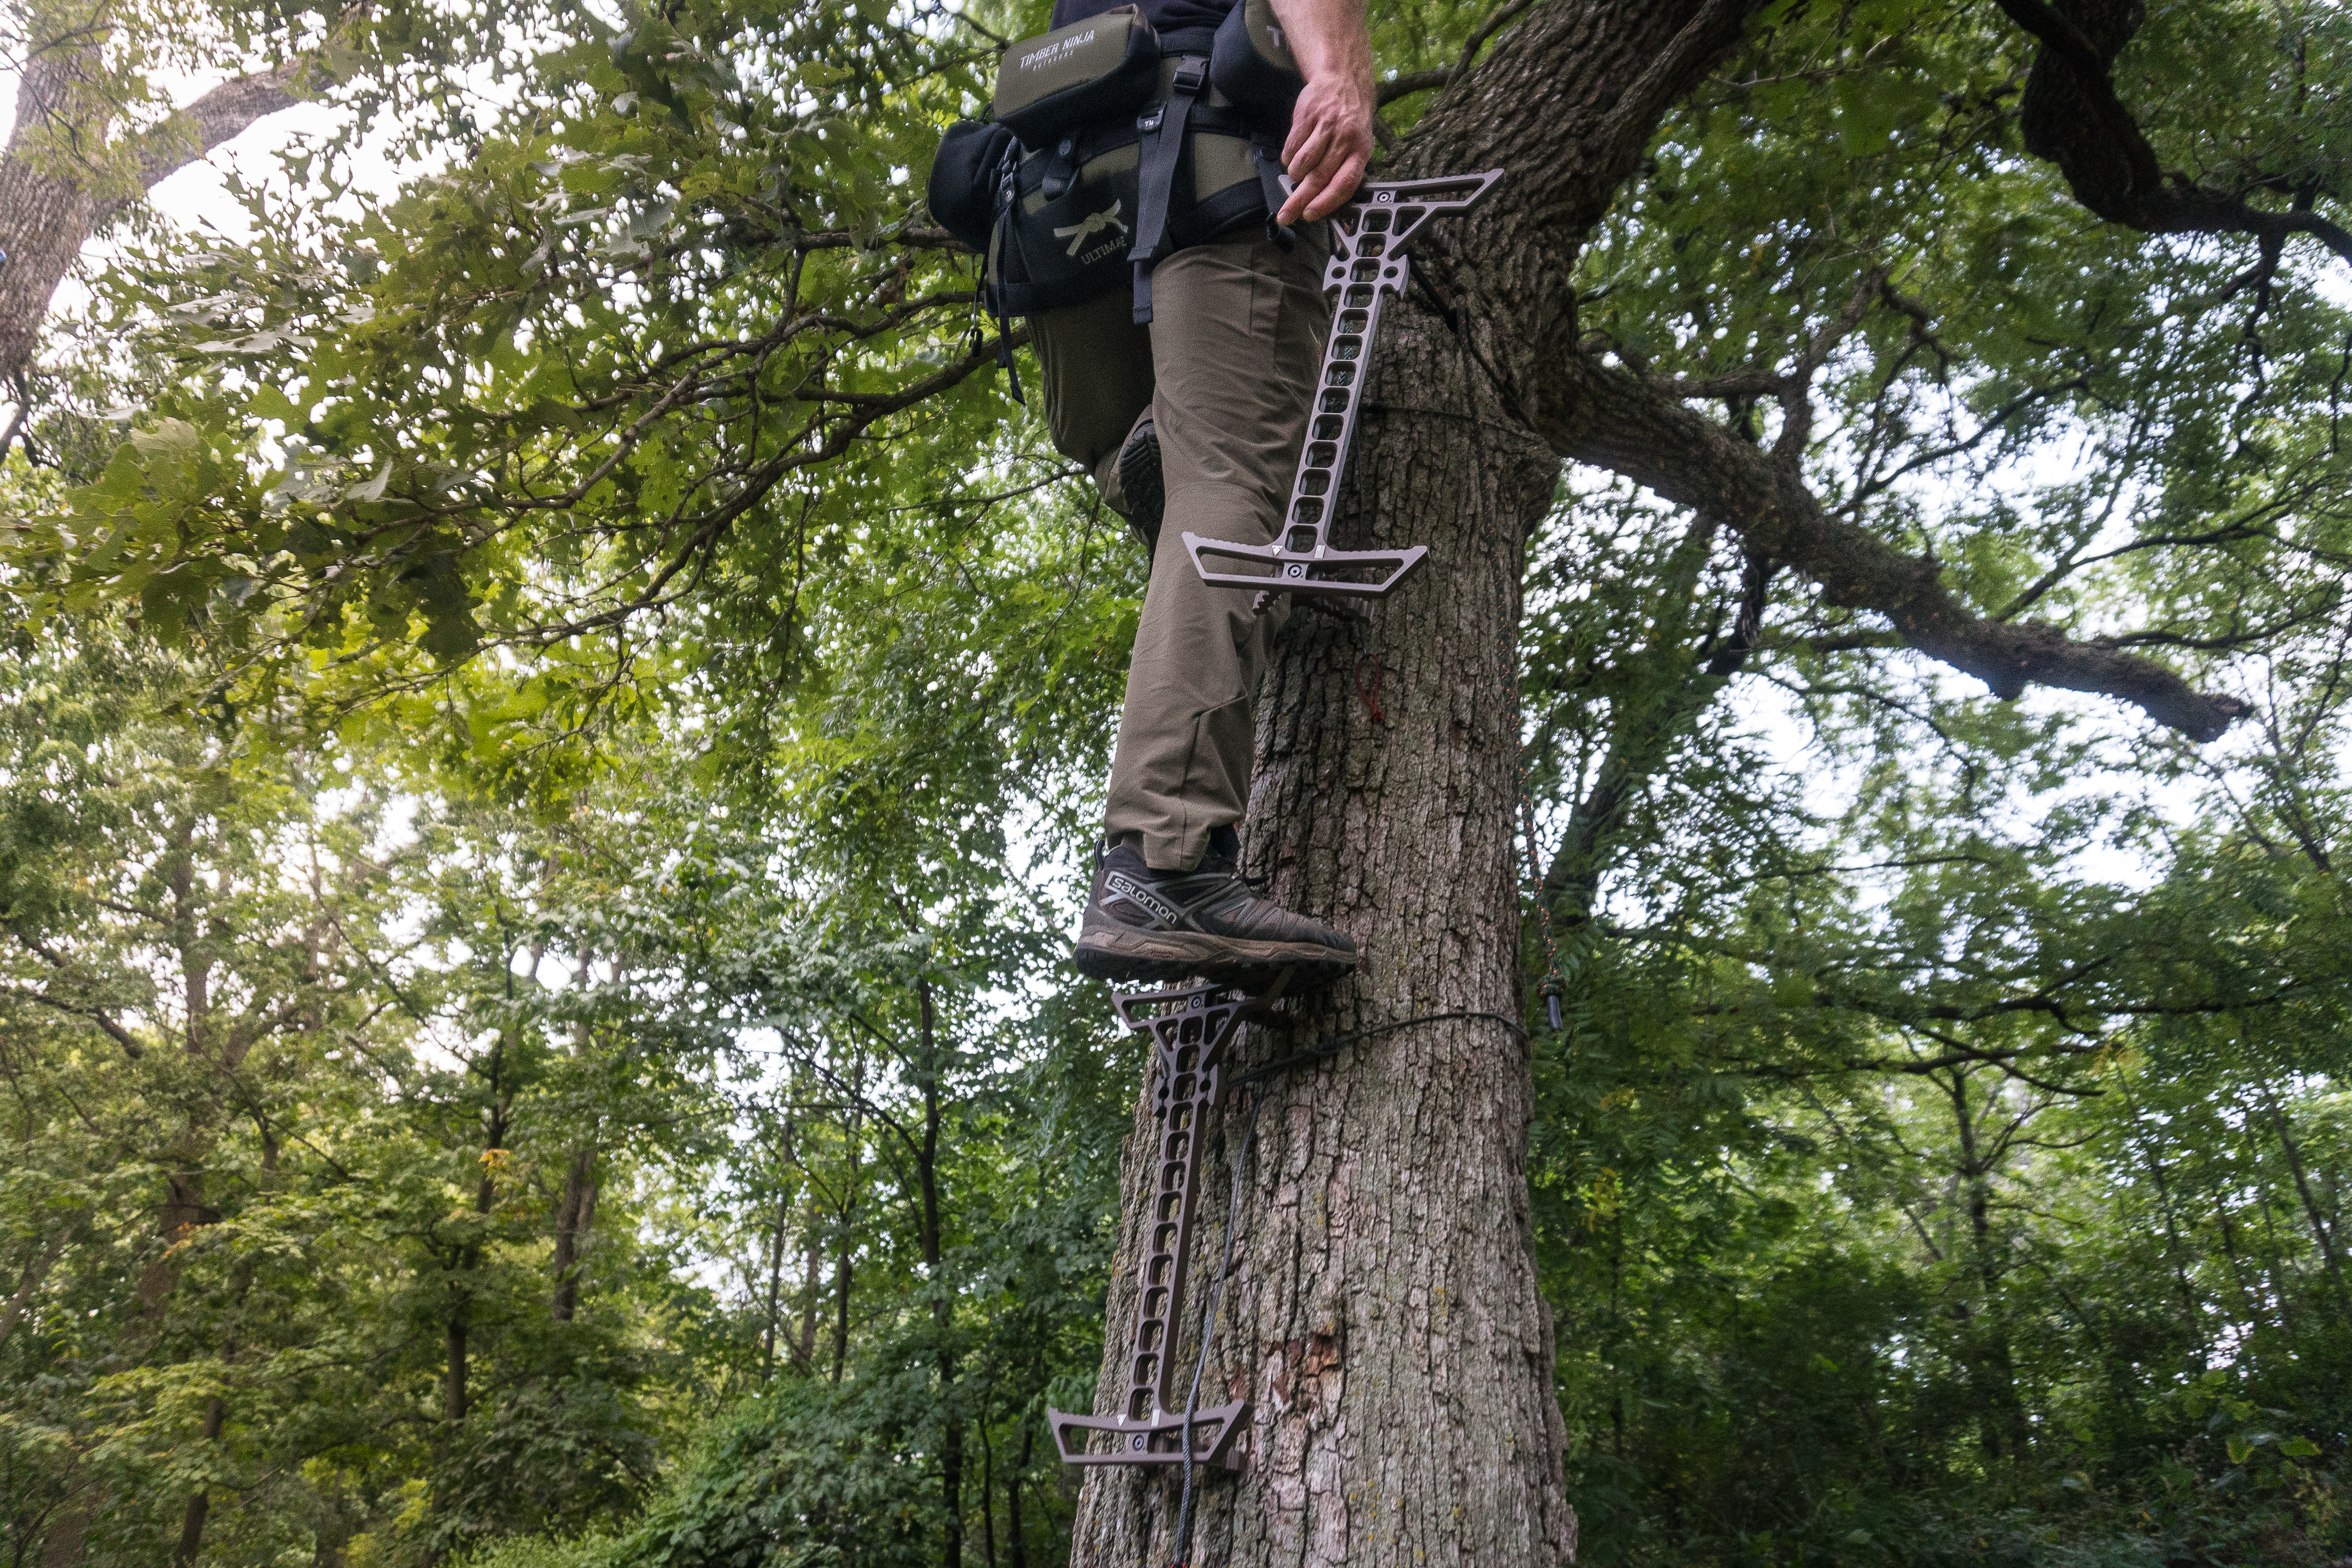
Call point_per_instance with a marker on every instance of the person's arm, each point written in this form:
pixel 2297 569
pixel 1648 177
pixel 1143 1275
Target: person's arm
pixel 1332 128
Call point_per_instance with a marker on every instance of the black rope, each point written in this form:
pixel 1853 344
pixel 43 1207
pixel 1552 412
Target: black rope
pixel 1332 1045
pixel 1554 988
pixel 1323 1050
pixel 1208 1319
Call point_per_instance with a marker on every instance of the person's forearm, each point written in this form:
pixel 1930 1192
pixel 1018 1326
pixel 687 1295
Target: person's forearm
pixel 1329 38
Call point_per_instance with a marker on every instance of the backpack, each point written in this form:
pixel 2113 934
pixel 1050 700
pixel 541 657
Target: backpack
pixel 1109 146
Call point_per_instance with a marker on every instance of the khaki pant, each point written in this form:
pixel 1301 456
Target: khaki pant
pixel 1224 370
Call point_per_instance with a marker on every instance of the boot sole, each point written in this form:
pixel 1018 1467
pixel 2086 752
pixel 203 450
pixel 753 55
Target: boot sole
pixel 1160 956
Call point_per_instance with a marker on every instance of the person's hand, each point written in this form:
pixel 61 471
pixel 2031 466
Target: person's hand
pixel 1330 142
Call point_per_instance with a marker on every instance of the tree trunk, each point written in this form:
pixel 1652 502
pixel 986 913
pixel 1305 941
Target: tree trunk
pixel 455 1337
pixel 575 1213
pixel 987 1493
pixel 2320 1232
pixel 62 1545
pixel 458 1333
pixel 58 178
pixel 1383 1316
pixel 942 1304
pixel 2003 1428
pixel 192 1521
pixel 775 1287
pixel 846 1239
pixel 44 216
pixel 812 1300
pixel 200 1503
pixel 1016 1540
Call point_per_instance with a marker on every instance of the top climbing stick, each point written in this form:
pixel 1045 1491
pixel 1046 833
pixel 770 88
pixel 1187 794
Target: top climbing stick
pixel 1367 268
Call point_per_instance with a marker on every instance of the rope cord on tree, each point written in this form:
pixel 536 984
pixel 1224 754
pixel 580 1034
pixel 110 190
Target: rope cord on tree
pixel 1332 1045
pixel 1208 1320
pixel 1553 989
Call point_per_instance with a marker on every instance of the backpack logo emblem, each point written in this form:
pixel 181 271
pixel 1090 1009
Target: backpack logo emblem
pixel 1078 233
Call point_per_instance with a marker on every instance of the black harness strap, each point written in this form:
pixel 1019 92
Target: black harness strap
pixel 1007 194
pixel 1162 128
pixel 1268 164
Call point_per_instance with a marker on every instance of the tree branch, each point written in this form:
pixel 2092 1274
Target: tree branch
pixel 114 1031
pixel 1409 83
pixel 2071 116
pixel 1612 420
pixel 219 116
pixel 1715 28
pixel 1570 106
pixel 1496 20
pixel 47 213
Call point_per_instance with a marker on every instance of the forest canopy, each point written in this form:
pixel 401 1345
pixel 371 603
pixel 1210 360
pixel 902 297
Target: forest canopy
pixel 556 703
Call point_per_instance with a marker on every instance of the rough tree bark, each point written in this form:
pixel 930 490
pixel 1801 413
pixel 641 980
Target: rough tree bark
pixel 61 183
pixel 930 1221
pixel 1383 1316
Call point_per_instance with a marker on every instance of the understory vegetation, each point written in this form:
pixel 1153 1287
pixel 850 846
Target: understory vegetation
pixel 551 723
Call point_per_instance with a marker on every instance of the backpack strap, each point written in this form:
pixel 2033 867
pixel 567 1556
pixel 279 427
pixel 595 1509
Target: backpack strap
pixel 1008 176
pixel 1162 130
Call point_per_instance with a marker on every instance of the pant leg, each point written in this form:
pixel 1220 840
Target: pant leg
pixel 1237 334
pixel 1095 364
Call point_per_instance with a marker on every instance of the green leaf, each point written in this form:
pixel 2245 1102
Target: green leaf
pixel 267 403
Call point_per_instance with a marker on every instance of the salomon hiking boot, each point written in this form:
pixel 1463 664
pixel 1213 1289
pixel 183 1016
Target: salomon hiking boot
pixel 1141 487
pixel 1147 925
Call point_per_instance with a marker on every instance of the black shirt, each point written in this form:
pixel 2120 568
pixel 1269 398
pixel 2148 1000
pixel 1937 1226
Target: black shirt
pixel 1165 16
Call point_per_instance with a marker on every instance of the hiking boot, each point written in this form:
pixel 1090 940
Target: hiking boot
pixel 1141 488
pixel 1147 925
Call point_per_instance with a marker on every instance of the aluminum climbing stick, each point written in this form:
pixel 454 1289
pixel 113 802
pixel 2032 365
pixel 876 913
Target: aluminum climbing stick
pixel 1368 269
pixel 1191 1029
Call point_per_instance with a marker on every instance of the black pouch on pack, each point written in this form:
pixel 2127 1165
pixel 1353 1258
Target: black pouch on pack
pixel 1101 68
pixel 962 190
pixel 1069 243
pixel 1063 249
pixel 1252 64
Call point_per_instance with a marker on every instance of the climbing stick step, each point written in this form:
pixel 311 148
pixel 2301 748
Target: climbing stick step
pixel 1191 1030
pixel 1368 269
